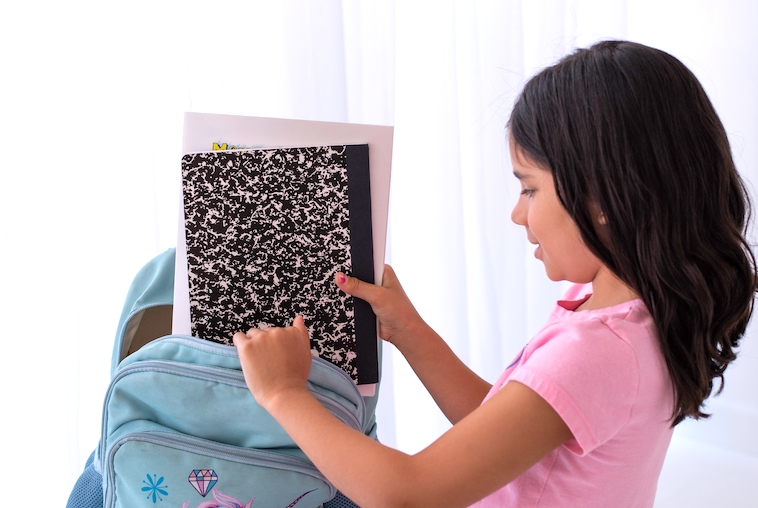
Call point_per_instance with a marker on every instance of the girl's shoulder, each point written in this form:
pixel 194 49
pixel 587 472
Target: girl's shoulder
pixel 625 330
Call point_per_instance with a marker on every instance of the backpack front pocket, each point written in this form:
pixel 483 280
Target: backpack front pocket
pixel 181 429
pixel 178 471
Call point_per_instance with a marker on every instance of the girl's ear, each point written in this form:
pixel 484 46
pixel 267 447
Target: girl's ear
pixel 598 217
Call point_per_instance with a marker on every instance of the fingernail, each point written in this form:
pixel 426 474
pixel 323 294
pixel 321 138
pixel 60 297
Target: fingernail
pixel 341 278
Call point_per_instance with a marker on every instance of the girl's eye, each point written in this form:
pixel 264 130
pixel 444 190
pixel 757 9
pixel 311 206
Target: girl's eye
pixel 527 192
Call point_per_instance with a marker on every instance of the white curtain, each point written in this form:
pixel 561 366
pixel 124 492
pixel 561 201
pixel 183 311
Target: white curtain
pixel 90 121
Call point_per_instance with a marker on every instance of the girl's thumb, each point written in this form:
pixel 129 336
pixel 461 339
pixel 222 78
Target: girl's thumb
pixel 351 285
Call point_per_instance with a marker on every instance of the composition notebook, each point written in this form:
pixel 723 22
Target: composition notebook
pixel 266 230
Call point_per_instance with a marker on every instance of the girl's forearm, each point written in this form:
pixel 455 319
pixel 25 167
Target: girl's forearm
pixel 483 452
pixel 455 388
pixel 345 456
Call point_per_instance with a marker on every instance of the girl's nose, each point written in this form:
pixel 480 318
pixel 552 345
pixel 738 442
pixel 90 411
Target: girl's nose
pixel 518 215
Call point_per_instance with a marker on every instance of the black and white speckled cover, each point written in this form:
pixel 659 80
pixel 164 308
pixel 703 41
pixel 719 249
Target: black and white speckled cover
pixel 266 230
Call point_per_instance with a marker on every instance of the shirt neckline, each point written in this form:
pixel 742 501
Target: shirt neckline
pixel 570 306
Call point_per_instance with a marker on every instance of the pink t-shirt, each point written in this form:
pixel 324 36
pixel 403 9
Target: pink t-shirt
pixel 604 374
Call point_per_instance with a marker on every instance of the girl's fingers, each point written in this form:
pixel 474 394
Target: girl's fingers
pixel 299 323
pixel 389 277
pixel 239 338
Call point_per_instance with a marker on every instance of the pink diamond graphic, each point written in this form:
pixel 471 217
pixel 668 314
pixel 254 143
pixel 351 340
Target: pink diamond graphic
pixel 203 480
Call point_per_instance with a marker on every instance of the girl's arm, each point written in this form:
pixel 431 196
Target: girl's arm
pixel 455 388
pixel 484 451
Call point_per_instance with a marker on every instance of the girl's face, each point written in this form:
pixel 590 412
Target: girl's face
pixel 548 225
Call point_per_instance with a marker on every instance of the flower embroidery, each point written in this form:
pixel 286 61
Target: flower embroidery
pixel 154 488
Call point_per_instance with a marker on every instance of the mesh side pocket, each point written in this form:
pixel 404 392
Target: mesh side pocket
pixel 88 490
pixel 340 501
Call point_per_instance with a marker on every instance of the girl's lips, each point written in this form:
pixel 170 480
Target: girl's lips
pixel 537 251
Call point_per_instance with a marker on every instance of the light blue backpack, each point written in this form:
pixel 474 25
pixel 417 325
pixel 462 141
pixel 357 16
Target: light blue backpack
pixel 180 428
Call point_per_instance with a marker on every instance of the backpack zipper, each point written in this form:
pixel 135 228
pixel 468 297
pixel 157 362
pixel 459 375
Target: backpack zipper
pixel 216 374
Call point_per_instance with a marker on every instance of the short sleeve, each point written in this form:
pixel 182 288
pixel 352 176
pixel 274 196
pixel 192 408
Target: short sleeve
pixel 587 373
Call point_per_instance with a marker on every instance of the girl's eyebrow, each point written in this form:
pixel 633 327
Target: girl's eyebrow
pixel 521 176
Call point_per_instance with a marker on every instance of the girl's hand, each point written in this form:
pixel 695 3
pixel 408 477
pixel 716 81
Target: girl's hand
pixel 274 360
pixel 398 318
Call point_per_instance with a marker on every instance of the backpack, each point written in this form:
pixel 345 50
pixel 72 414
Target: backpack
pixel 180 428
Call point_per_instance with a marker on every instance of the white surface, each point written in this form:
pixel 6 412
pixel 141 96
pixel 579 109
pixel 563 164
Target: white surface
pixel 701 475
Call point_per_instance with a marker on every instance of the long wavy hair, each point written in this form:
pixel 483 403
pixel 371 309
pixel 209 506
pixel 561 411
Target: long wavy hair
pixel 629 130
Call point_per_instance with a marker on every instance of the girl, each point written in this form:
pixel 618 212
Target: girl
pixel 630 192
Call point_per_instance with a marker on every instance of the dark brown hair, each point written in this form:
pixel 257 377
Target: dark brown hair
pixel 628 129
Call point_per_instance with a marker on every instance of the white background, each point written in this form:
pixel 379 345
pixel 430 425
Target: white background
pixel 91 109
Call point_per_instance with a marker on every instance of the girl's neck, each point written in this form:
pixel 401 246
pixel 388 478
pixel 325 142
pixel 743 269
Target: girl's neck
pixel 607 291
